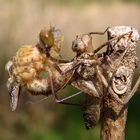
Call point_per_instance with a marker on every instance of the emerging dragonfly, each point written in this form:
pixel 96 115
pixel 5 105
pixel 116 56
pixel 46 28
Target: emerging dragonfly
pixel 35 67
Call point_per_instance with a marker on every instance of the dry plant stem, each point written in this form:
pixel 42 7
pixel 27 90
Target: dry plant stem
pixel 114 114
pixel 112 128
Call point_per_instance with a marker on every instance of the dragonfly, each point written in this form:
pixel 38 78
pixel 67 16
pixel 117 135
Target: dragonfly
pixel 35 66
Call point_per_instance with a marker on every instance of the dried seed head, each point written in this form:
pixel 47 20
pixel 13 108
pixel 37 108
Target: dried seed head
pixel 128 39
pixel 119 30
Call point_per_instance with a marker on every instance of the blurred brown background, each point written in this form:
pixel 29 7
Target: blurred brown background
pixel 20 23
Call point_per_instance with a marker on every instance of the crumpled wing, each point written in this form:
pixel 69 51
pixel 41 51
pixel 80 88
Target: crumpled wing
pixel 14 90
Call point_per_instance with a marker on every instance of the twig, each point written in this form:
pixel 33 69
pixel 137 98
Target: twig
pixel 114 113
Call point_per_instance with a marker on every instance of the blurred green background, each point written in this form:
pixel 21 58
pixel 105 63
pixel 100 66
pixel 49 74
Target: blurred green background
pixel 20 23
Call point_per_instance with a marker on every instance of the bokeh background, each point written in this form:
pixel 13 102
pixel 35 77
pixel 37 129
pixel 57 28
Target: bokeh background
pixel 20 23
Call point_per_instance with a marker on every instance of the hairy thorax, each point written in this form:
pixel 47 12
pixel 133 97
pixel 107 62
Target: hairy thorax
pixel 28 63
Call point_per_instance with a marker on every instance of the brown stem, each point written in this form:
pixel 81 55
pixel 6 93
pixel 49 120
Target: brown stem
pixel 113 128
pixel 114 114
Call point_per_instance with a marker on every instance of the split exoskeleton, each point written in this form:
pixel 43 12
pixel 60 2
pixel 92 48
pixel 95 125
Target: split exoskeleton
pixel 97 75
